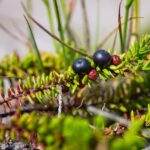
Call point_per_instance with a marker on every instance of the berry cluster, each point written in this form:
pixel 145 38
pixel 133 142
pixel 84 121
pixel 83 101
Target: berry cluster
pixel 101 59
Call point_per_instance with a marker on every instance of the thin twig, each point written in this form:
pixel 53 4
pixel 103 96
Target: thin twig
pixel 107 115
pixel 15 25
pixel 9 77
pixel 112 32
pixel 86 23
pixel 106 38
pixel 13 35
pixel 76 50
pixel 28 110
pixel 115 39
pixel 71 36
pixel 114 117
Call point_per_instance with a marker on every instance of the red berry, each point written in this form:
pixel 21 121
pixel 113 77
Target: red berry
pixel 116 60
pixel 92 75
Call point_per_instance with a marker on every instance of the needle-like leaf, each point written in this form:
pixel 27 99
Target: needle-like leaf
pixel 33 42
pixel 79 51
pixel 120 26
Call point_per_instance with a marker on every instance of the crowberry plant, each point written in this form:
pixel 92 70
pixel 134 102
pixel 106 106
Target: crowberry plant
pixel 77 99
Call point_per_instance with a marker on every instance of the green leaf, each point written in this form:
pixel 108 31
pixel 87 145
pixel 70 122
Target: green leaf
pixel 30 100
pixel 102 76
pixel 33 42
pixel 107 73
pixel 39 81
pixel 146 66
pixel 74 88
pixel 129 3
pixel 39 96
pixel 46 2
pixel 89 85
pixel 85 79
pixel 29 82
pixel 23 119
pixel 47 94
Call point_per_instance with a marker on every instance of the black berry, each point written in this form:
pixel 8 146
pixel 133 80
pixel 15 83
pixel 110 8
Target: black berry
pixel 81 66
pixel 116 60
pixel 101 58
pixel 92 74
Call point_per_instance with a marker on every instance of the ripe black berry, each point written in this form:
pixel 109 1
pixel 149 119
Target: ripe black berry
pixel 101 58
pixel 92 74
pixel 116 60
pixel 81 66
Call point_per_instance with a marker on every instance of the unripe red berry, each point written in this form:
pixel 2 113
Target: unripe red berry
pixel 92 74
pixel 116 60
